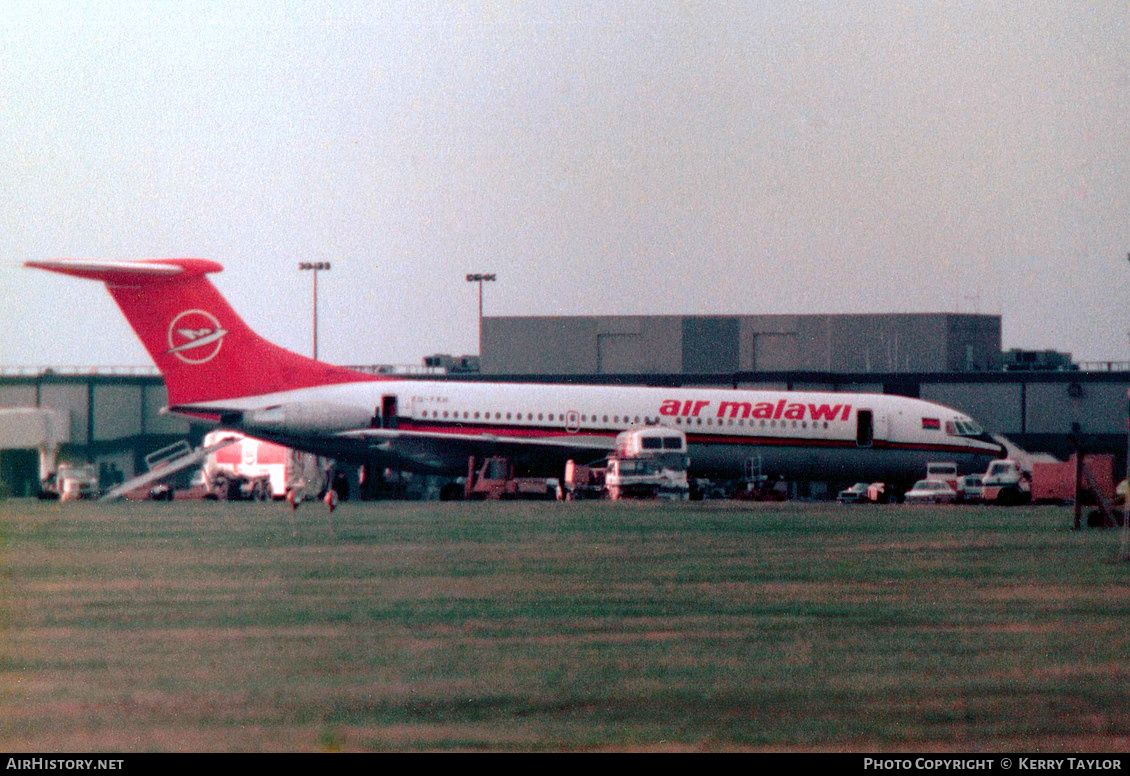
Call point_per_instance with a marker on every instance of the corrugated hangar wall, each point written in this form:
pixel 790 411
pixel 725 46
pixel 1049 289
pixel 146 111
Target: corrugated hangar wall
pixel 114 421
pixel 648 344
pixel 1035 404
pixel 711 345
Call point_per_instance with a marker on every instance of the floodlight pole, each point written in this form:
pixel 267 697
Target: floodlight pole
pixel 478 277
pixel 315 266
pixel 1123 553
pixel 1124 548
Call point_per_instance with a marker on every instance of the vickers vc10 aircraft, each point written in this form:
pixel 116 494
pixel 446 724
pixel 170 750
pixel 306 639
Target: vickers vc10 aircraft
pixel 216 367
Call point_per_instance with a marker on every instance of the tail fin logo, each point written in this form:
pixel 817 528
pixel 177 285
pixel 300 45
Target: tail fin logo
pixel 195 336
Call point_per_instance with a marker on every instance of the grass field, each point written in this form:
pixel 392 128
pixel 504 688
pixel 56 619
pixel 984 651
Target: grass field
pixel 209 626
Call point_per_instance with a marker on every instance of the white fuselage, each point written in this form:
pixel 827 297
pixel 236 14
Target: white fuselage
pixel 433 426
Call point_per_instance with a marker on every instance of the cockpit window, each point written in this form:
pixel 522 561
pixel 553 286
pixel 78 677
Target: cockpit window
pixel 964 427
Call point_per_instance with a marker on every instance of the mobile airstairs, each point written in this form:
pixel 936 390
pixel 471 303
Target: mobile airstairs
pixel 164 463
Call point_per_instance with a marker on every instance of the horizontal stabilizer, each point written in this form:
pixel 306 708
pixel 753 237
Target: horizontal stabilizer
pixel 118 272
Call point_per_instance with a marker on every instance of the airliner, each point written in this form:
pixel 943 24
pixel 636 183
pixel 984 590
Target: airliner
pixel 216 367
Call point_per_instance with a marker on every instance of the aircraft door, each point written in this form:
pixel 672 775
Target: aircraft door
pixel 864 428
pixel 572 421
pixel 870 426
pixel 388 412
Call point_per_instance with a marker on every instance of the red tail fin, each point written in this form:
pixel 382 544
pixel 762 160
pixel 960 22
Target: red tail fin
pixel 204 350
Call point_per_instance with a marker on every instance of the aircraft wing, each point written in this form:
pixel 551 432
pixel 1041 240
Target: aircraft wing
pixel 570 442
pixel 453 449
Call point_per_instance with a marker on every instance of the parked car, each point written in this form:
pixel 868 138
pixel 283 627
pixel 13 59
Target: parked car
pixel 853 495
pixel 931 492
pixel 71 482
pixel 970 487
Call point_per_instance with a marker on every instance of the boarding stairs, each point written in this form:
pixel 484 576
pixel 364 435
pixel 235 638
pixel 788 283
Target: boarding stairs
pixel 164 463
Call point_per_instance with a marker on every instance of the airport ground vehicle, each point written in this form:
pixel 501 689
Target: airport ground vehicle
pixel 254 469
pixel 930 492
pixel 857 493
pixel 1054 481
pixel 70 482
pixel 648 462
pixel 495 480
pixel 1007 481
pixel 970 487
pixel 946 471
pixel 583 481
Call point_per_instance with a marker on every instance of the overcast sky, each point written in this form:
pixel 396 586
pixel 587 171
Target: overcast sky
pixel 600 157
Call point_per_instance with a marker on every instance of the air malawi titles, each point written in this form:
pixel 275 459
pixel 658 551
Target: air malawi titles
pixel 782 409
